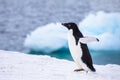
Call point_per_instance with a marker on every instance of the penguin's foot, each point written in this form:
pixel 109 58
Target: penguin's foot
pixel 76 70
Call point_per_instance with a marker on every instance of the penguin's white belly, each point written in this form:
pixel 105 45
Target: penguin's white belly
pixel 76 51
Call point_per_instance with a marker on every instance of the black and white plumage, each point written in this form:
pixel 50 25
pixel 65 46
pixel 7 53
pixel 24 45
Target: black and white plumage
pixel 78 47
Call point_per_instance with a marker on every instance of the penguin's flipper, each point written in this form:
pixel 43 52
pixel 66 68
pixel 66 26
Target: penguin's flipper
pixel 85 40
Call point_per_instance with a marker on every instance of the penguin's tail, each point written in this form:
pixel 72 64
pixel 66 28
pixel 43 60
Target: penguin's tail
pixel 93 69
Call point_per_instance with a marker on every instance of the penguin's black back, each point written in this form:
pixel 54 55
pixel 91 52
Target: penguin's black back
pixel 86 57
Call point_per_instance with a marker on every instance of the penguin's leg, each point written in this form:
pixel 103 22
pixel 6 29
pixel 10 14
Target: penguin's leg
pixel 79 66
pixel 81 69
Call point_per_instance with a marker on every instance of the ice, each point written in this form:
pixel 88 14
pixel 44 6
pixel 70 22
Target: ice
pixel 53 36
pixel 48 38
pixel 106 27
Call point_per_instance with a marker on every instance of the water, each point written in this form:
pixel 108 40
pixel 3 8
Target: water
pixel 99 57
pixel 106 57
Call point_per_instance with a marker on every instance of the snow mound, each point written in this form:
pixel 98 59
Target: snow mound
pixel 20 66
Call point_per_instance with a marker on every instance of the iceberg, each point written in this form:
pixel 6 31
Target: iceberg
pixel 106 27
pixel 48 38
pixel 53 36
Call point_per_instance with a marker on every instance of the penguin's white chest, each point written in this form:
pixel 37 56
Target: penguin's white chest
pixel 76 51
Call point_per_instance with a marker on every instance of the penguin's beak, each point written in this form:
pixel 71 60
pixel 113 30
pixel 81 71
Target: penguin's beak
pixel 63 24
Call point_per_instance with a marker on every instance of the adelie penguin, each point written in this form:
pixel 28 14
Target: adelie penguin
pixel 78 47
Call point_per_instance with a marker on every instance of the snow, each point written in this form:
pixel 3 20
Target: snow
pixel 20 66
pixel 53 36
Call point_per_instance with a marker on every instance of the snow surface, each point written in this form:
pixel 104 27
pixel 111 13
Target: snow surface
pixel 20 66
pixel 52 37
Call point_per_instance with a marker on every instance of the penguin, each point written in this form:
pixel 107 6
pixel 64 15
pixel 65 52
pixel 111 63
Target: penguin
pixel 78 47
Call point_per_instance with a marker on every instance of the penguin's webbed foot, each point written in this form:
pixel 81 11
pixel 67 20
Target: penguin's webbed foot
pixel 76 70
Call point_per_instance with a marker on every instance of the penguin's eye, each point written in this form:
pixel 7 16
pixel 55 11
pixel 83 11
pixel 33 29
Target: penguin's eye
pixel 69 25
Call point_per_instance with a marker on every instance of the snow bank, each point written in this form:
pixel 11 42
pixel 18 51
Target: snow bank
pixel 19 66
pixel 52 37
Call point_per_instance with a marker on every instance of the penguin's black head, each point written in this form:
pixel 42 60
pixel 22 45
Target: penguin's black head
pixel 70 25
